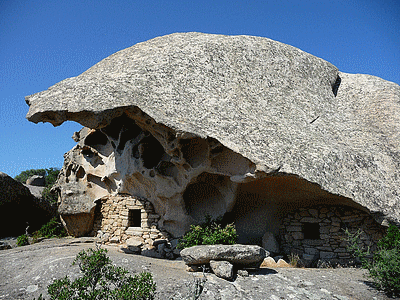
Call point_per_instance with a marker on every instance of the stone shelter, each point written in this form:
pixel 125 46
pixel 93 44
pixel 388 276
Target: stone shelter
pixel 187 125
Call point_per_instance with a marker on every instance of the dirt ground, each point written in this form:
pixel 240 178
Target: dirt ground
pixel 25 273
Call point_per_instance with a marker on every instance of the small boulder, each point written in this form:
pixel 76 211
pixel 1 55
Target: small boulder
pixel 4 245
pixel 36 180
pixel 134 244
pixel 151 253
pixel 242 255
pixel 269 243
pixel 282 264
pixel 268 262
pixel 222 269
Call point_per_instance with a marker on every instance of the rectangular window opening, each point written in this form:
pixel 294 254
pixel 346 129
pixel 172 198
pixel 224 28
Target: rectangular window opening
pixel 135 218
pixel 311 231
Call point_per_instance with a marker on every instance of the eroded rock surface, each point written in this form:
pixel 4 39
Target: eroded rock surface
pixel 43 262
pixel 199 123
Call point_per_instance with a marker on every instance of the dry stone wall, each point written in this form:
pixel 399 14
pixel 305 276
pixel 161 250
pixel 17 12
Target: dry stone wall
pixel 132 223
pixel 317 234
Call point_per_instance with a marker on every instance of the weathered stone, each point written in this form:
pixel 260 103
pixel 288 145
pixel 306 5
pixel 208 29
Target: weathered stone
pixel 222 269
pixel 270 244
pixel 224 114
pixel 297 235
pixel 36 180
pixel 243 273
pixel 268 262
pixel 293 228
pixel 4 246
pixel 115 239
pixel 326 255
pixel 282 264
pixel 194 268
pixel 151 253
pixel 245 255
pixel 134 242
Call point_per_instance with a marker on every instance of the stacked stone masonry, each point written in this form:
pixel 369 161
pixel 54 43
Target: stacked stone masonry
pixel 112 226
pixel 318 234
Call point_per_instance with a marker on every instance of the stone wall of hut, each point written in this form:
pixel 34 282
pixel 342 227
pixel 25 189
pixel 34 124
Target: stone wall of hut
pixel 318 234
pixel 132 223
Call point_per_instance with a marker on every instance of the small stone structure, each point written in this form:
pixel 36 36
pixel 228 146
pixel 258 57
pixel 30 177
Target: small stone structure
pixel 318 233
pixel 122 217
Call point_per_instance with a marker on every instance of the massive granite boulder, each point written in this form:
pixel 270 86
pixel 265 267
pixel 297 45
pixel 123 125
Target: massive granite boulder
pixel 212 124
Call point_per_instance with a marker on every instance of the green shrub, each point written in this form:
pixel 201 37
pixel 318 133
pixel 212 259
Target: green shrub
pixel 391 240
pixel 102 280
pixel 22 240
pixel 49 196
pixel 211 232
pixel 53 228
pixel 384 265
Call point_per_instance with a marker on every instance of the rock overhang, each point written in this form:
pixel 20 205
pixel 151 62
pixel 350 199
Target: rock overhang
pixel 272 103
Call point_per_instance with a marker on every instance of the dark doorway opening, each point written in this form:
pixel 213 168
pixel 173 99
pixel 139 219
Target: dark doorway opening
pixel 135 218
pixel 311 231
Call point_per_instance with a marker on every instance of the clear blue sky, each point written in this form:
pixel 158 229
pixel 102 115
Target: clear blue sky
pixel 44 42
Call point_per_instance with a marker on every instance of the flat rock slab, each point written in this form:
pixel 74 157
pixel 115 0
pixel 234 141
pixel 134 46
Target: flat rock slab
pixel 244 255
pixel 26 272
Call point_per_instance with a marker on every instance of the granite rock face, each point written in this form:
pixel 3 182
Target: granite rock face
pixel 245 119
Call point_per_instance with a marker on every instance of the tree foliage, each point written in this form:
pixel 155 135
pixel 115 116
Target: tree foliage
pixel 102 280
pixel 50 175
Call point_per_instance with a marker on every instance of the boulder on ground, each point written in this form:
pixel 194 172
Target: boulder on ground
pixel 241 255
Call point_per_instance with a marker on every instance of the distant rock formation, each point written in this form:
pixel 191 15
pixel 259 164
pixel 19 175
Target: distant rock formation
pixel 36 180
pixel 19 208
pixel 239 126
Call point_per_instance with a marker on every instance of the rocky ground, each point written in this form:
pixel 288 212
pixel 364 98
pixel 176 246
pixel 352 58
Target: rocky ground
pixel 26 271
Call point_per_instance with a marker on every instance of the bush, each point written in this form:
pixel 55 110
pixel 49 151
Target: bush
pixel 384 265
pixel 50 196
pixel 53 228
pixel 22 240
pixel 102 280
pixel 211 232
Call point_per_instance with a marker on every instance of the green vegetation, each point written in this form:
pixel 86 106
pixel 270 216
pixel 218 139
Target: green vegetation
pixel 50 175
pixel 101 280
pixel 22 240
pixel 383 265
pixel 49 196
pixel 53 228
pixel 211 232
